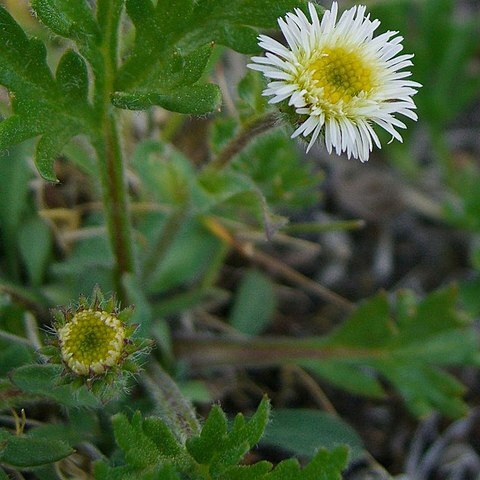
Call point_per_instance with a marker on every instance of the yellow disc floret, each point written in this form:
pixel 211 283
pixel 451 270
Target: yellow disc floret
pixel 92 341
pixel 341 75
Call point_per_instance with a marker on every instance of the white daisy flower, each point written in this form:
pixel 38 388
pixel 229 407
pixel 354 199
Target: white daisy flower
pixel 339 77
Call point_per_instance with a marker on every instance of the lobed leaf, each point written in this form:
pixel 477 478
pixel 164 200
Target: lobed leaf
pixel 72 20
pixel 56 108
pixel 405 342
pixel 173 43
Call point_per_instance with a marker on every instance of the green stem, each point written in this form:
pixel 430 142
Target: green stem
pixel 174 408
pixel 108 146
pixel 115 201
pixel 205 353
pixel 245 135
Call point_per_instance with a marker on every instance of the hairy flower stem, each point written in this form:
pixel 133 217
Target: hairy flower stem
pixel 247 133
pixel 109 149
pixel 115 202
pixel 174 408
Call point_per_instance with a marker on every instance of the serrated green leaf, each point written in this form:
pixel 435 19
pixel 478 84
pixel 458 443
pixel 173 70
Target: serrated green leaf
pixel 256 471
pixel 72 75
pixel 16 129
pixel 327 465
pixel 173 43
pixel 161 436
pixel 140 451
pixel 48 149
pixel 26 451
pixel 324 466
pixel 203 447
pixel 407 344
pixel 40 103
pixel 256 425
pixel 73 20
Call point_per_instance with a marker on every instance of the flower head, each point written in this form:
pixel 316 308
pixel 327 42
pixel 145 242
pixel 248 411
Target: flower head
pixel 92 341
pixel 339 78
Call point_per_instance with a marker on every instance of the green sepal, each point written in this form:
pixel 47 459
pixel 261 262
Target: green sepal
pixel 196 100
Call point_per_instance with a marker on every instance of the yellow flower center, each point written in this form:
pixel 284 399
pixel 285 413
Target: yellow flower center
pixel 92 341
pixel 341 74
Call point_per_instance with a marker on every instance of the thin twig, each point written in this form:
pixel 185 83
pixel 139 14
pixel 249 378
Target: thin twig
pixel 278 267
pixel 314 388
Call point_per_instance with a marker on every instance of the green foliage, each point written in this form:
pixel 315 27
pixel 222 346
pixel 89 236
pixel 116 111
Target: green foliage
pixel 36 253
pixel 28 451
pixel 56 108
pixel 134 54
pixel 406 343
pixel 72 20
pixel 164 67
pixel 303 431
pixel 254 304
pixel 151 451
pixel 173 43
pixel 43 380
pixel 443 50
pixel 464 210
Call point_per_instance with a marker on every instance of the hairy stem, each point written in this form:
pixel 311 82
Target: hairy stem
pixel 204 352
pixel 174 408
pixel 244 136
pixel 108 146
